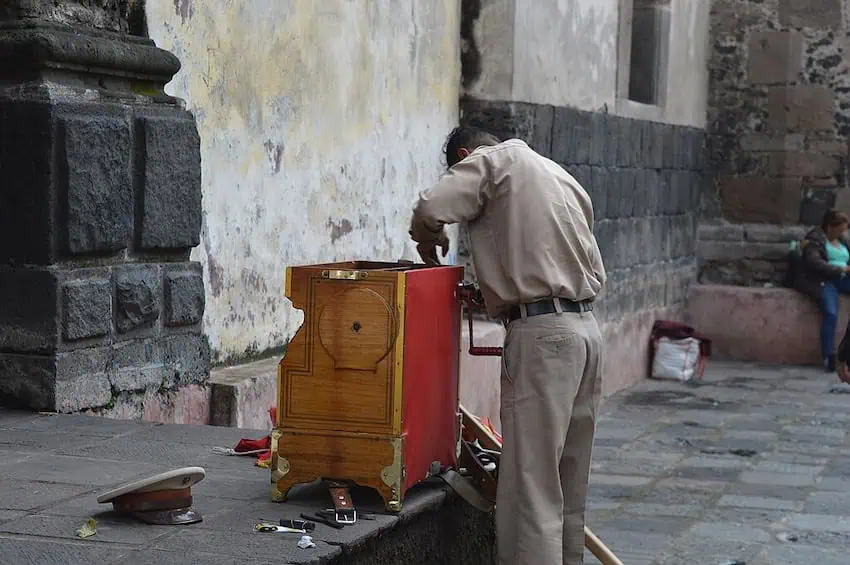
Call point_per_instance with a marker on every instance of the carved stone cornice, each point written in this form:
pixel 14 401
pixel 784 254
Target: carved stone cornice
pixel 32 46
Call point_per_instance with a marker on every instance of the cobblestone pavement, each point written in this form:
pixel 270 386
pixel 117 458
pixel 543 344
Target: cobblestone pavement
pixel 750 466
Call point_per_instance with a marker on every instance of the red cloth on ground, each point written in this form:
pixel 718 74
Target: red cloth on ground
pixel 264 444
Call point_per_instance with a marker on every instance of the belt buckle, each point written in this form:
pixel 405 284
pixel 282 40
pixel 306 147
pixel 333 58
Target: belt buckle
pixel 346 516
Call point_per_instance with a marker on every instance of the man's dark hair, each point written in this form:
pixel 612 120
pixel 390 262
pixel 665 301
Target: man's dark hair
pixel 465 137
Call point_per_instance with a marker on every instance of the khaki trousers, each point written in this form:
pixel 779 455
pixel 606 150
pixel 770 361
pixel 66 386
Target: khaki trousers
pixel 551 385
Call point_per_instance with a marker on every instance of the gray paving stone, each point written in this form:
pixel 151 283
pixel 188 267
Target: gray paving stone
pixel 835 503
pixel 819 522
pixel 750 434
pixel 32 441
pixel 689 550
pixel 675 497
pixel 41 551
pixel 797 555
pixel 766 520
pixel 619 480
pixel 758 502
pixel 14 457
pixel 778 479
pixel 783 467
pixel 143 451
pixel 237 488
pixel 841 484
pixel 602 505
pixel 837 467
pixel 80 506
pixel 814 448
pixel 94 426
pixel 716 462
pixel 825 433
pixel 836 541
pixel 637 463
pixel 701 417
pixel 162 557
pixel 796 458
pixel 730 531
pixel 6 515
pixel 23 495
pixel 650 509
pixel 706 473
pixel 768 491
pixel 710 487
pixel 618 431
pixel 110 528
pixel 665 525
pixel 80 471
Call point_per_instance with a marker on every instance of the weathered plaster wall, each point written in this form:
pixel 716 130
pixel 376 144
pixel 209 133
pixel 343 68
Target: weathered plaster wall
pixel 687 85
pixel 566 52
pixel 561 52
pixel 319 124
pixel 571 53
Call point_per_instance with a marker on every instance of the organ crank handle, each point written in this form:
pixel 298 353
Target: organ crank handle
pixel 467 291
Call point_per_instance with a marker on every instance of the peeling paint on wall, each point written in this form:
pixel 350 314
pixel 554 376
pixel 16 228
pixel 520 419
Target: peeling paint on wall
pixel 184 9
pixel 308 112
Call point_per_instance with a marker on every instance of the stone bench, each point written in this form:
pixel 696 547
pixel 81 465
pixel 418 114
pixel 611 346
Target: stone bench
pixel 763 325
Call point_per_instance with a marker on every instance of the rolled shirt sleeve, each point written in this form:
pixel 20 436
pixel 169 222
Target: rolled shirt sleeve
pixel 459 196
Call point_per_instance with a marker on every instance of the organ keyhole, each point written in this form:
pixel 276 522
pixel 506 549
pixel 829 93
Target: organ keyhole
pixel 356 327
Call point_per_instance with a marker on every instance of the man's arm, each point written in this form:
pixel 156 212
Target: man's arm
pixel 458 197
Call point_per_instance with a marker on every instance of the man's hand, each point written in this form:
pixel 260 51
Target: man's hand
pixel 428 251
pixel 843 372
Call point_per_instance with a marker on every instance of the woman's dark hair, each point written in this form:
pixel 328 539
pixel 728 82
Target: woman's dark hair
pixel 834 218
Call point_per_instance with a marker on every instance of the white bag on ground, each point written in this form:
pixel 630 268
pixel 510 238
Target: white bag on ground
pixel 677 359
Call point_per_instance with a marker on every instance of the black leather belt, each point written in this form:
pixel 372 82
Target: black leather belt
pixel 548 307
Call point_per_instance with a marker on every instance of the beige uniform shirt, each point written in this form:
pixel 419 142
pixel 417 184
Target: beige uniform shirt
pixel 530 223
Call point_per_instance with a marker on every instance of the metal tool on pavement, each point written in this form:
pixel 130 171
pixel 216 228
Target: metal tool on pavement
pixel 331 514
pixel 264 527
pixel 321 520
pixel 297 524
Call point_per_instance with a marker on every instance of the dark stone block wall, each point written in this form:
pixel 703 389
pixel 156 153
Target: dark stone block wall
pixel 645 180
pixel 100 205
pixel 778 126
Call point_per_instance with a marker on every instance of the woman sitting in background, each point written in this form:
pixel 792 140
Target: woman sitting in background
pixel 823 275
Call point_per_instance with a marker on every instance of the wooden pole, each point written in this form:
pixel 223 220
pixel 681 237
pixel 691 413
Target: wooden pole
pixel 599 549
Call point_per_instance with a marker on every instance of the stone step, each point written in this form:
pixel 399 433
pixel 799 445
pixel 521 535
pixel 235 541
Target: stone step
pixel 242 395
